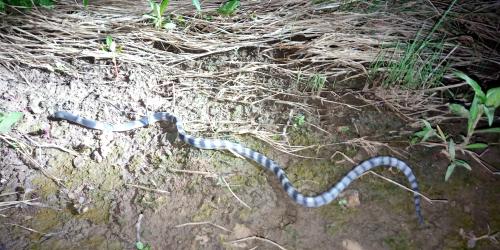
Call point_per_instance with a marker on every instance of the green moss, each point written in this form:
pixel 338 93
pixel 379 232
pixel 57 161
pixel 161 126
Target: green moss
pixel 292 235
pixel 116 152
pixel 302 137
pixel 135 163
pixel 98 213
pixel 313 176
pixel 143 136
pixel 244 214
pixel 338 216
pixel 45 186
pixel 204 212
pixel 152 200
pixel 46 220
pixel 399 242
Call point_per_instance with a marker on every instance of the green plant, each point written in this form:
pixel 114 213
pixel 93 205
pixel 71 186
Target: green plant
pixel 481 104
pixel 141 246
pixel 110 46
pixel 299 121
pixel 229 7
pixel 25 4
pixel 157 10
pixel 317 82
pixel 197 5
pixel 418 64
pixel 7 120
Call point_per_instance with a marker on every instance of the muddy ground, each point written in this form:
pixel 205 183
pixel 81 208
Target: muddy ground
pixel 87 189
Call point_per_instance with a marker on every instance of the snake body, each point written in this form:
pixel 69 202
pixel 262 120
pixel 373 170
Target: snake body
pixel 201 143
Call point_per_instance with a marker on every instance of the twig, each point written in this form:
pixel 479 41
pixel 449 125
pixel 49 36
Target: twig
pixel 148 189
pixel 69 151
pixel 203 223
pixel 138 227
pixel 258 238
pixel 402 186
pixel 235 196
pixel 26 228
pixel 208 174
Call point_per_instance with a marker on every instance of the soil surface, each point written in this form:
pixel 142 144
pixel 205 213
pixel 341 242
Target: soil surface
pixel 78 188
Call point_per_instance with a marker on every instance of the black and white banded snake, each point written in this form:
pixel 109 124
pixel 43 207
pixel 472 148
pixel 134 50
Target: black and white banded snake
pixel 306 201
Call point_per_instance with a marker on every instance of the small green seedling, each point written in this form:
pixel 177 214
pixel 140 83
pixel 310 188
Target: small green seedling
pixel 482 103
pixel 141 246
pixel 229 7
pixel 197 5
pixel 7 120
pixel 453 161
pixel 111 46
pixel 26 4
pixel 157 10
pixel 342 202
pixel 299 121
pixel 317 82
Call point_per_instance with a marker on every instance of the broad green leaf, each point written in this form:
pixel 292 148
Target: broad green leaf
pixel 163 6
pixel 476 146
pixel 197 5
pixel 421 133
pixel 488 130
pixel 449 171
pixel 490 113
pixel 474 110
pixel 428 135
pixel 493 97
pixel 46 3
pixel 427 124
pixel 441 134
pixel 2 6
pixel 459 110
pixel 473 84
pixel 229 7
pixel 451 149
pixel 463 164
pixel 7 120
pixel 109 41
pixel 414 140
pixel 85 3
pixel 139 245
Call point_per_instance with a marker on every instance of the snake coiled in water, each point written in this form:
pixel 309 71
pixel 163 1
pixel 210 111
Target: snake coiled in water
pixel 201 143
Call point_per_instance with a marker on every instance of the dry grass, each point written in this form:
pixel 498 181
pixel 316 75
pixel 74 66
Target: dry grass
pixel 297 39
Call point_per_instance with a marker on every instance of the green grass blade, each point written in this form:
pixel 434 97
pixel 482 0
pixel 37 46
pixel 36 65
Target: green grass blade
pixel 473 84
pixel 464 164
pixel 493 97
pixel 229 7
pixel 487 130
pixel 451 149
pixel 458 110
pixel 477 146
pixel 449 171
pixel 473 114
pixel 197 5
pixel 7 120
pixel 490 113
pixel 163 6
